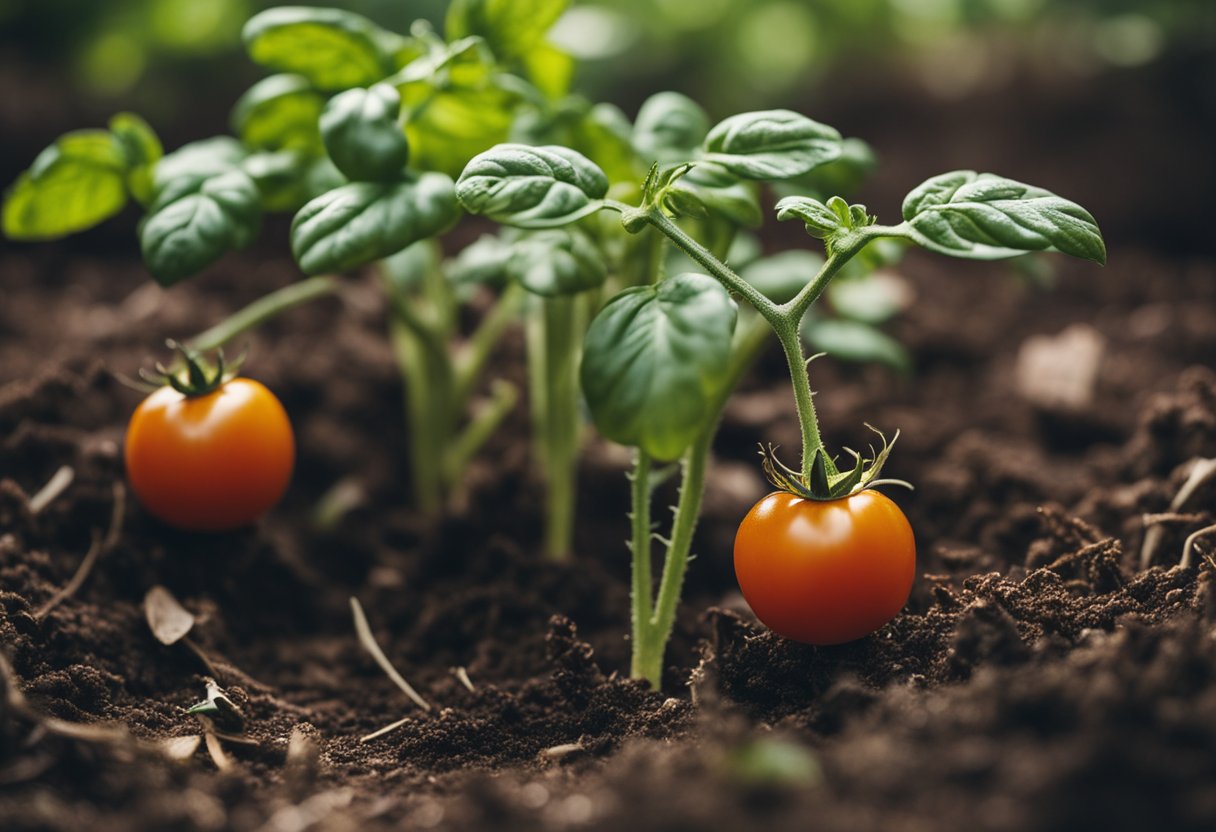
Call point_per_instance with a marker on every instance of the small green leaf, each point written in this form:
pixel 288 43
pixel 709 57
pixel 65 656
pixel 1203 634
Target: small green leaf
pixel 655 358
pixel 332 48
pixel 512 28
pixel 780 277
pixel 74 184
pixel 986 217
pixel 362 136
pixel 186 168
pixel 483 261
pixel 768 762
pixel 448 126
pixel 550 69
pixel 821 221
pixel 669 129
pixel 717 192
pixel 771 144
pixel 366 221
pixel 281 177
pixel 407 269
pixel 141 148
pixel 555 262
pixel 843 175
pixel 856 342
pixel 869 297
pixel 532 187
pixel 279 113
pixel 186 232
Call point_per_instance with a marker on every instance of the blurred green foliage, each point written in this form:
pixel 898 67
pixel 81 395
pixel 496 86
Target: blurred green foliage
pixel 734 53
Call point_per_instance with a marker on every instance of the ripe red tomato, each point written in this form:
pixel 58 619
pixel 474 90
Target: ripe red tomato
pixel 214 462
pixel 825 572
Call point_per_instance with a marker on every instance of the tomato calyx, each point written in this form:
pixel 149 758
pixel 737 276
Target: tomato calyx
pixel 825 483
pixel 191 375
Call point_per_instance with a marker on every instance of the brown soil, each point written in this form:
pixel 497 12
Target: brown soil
pixel 1038 679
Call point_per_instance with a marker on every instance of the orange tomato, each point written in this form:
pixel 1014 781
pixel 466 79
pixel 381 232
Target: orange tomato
pixel 825 572
pixel 214 462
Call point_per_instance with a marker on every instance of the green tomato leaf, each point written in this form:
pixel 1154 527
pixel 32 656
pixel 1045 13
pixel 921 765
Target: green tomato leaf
pixel 332 48
pixel 821 221
pixel 186 232
pixel 512 28
pixel 141 148
pixel 981 216
pixel 362 136
pixel 714 191
pixel 555 262
pixel 550 69
pixel 840 176
pixel 483 261
pixel 782 276
pixel 655 358
pixel 366 221
pixel 855 341
pixel 282 178
pixel 185 169
pixel 771 144
pixel 871 298
pixel 449 127
pixel 407 269
pixel 74 184
pixel 604 137
pixel 279 113
pixel 669 129
pixel 532 187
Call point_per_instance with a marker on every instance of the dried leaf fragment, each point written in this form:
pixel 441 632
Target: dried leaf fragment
pixel 168 619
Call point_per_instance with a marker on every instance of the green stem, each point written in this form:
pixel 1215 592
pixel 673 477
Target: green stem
pixel 784 319
pixel 651 632
pixel 554 352
pixel 481 344
pixel 263 309
pixel 425 468
pixel 427 371
pixel 640 545
pixel 503 398
pixel 725 275
pixel 650 644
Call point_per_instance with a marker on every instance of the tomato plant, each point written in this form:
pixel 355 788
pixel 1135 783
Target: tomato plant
pixel 825 572
pixel 661 359
pixel 207 451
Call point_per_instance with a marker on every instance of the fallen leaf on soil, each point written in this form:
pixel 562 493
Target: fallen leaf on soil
pixel 168 620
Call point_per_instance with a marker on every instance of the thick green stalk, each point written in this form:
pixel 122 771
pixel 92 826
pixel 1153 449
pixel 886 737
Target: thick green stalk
pixel 554 352
pixel 426 467
pixel 262 310
pixel 427 371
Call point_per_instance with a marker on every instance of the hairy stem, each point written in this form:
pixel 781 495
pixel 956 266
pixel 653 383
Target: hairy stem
pixel 784 319
pixel 719 270
pixel 640 544
pixel 652 629
pixel 262 310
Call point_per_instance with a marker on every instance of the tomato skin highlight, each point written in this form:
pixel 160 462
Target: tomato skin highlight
pixel 210 463
pixel 825 572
